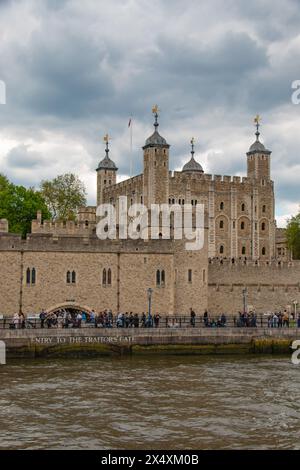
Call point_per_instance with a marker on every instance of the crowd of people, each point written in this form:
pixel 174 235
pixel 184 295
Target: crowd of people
pixel 71 318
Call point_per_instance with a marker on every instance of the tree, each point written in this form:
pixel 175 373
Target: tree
pixel 4 183
pixel 64 195
pixel 19 206
pixel 293 236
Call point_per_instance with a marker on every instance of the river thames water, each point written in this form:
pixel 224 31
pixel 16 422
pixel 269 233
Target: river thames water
pixel 151 403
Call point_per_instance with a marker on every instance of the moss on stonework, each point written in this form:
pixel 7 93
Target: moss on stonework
pixel 271 346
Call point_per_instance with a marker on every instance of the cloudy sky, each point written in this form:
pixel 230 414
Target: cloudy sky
pixel 75 70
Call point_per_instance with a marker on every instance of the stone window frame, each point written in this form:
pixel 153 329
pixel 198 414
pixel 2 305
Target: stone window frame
pixel 30 279
pixel 71 277
pixel 160 278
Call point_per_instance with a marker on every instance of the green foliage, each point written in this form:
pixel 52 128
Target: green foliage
pixel 19 206
pixel 64 195
pixel 293 236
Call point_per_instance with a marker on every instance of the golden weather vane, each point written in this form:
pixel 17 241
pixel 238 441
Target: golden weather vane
pixel 106 138
pixel 155 109
pixel 257 119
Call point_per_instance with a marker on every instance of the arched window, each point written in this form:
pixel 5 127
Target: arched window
pixel 263 226
pixel 242 225
pixel 179 201
pixel 73 277
pixel 33 276
pixel 104 277
pixel 109 277
pixel 68 277
pixel 243 207
pixel 163 278
pixel 243 250
pixel 28 276
pixel 221 206
pixel 158 277
pixel 263 251
pixel 264 208
pixel 221 249
pixel 221 223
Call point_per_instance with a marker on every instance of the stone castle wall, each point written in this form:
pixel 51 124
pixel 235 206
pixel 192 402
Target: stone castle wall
pixel 133 266
pixel 270 286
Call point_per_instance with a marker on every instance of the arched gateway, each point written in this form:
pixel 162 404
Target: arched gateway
pixel 72 308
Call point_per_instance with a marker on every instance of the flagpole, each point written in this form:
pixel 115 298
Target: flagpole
pixel 131 156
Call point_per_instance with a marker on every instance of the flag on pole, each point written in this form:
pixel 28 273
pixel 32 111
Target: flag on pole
pixel 131 156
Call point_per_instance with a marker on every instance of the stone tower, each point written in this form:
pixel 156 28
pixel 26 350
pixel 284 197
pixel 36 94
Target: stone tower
pixel 156 167
pixel 106 173
pixel 258 158
pixel 263 223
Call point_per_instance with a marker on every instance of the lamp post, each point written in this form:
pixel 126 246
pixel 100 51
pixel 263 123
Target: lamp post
pixel 245 299
pixel 149 293
pixel 295 308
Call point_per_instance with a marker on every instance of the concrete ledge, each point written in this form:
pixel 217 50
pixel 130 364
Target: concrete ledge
pixel 98 341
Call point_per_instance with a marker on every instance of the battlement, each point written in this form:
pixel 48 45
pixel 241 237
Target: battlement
pixel 235 263
pixel 3 226
pixel 220 181
pixel 128 184
pixel 82 228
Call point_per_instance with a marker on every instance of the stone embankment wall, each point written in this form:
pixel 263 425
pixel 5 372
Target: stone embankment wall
pixel 93 342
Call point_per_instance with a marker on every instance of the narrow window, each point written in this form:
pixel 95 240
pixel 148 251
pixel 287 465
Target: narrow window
pixel 163 278
pixel 28 276
pixel 243 207
pixel 221 206
pixel 73 277
pixel 104 277
pixel 203 275
pixel 221 249
pixel 109 277
pixel 68 277
pixel 243 250
pixel 264 208
pixel 190 275
pixel 263 251
pixel 263 226
pixel 242 225
pixel 33 276
pixel 221 224
pixel 158 278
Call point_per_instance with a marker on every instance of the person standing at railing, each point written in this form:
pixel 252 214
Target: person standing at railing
pixel 42 318
pixel 193 317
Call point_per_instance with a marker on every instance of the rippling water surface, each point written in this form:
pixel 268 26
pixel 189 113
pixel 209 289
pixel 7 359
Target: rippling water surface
pixel 150 403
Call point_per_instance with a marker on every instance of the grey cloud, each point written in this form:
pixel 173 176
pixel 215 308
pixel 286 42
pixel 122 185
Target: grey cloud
pixel 86 66
pixel 23 157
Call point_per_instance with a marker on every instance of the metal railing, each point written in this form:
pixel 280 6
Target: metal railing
pixel 175 321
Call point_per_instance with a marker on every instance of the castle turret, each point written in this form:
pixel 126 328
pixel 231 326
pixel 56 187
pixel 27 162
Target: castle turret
pixel 106 173
pixel 258 157
pixel 192 166
pixel 156 167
